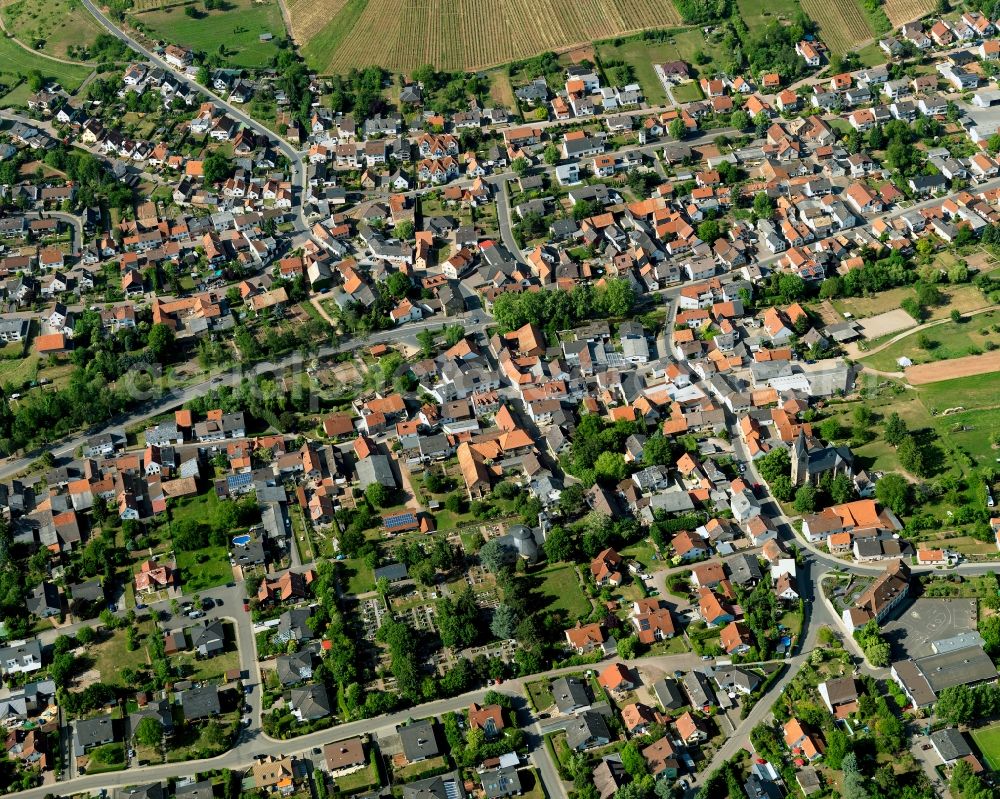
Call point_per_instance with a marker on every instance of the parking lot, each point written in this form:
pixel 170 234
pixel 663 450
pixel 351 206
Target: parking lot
pixel 928 620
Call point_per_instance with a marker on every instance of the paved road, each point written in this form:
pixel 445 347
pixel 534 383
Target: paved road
pixel 256 743
pixel 505 224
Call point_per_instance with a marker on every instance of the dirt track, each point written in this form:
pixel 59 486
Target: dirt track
pixel 957 367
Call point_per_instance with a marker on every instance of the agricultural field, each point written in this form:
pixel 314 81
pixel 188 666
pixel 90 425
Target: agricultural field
pixel 988 741
pixel 974 429
pixel 760 13
pixel 16 63
pixel 946 340
pixel 900 11
pixel 642 55
pixel 52 27
pixel 981 391
pixel 337 35
pixel 842 25
pixel 237 28
pixel 963 298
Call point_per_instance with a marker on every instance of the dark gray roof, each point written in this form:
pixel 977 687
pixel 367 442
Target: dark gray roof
pixel 418 740
pixel 744 569
pixel 501 782
pixel 151 791
pixel 950 744
pixel 199 703
pixel 159 710
pixel 569 694
pixel 444 786
pixel 90 732
pixel 310 702
pixel 194 790
pixel 586 727
pixel 44 600
pixel 669 693
pixel 294 668
pixel 699 688
pixel 294 623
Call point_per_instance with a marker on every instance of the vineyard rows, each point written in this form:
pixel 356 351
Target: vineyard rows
pixel 468 34
pixel 842 24
pixel 900 11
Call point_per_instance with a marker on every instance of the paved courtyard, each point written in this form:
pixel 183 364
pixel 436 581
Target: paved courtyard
pixel 928 620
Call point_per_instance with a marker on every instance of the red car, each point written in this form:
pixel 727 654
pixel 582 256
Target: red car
pixel 246 605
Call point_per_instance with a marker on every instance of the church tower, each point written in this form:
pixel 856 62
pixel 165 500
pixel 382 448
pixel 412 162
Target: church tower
pixel 800 460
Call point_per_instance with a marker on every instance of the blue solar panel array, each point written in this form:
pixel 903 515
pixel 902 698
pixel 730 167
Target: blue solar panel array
pixel 239 480
pixel 400 519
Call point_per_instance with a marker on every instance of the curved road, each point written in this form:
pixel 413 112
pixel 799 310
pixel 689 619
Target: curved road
pixel 295 157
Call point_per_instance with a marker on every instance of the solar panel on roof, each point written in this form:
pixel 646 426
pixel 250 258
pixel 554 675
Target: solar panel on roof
pixel 399 519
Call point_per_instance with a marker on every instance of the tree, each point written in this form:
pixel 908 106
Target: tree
pixel 709 231
pixel 863 416
pixel 893 491
pixel 149 732
pixel 782 488
pixel 854 780
pixel 841 489
pixel 560 544
pixel 895 429
pixel 829 429
pixel 216 167
pixel 911 456
pixel 805 498
pixel 956 705
pixel 520 166
pixel 551 154
pixel 633 761
pixel 496 555
pixel 677 129
pixel 398 283
pixel 763 205
pixel 377 494
pixel 658 450
pixel 740 120
pixel 504 622
pixel 161 342
pixel 85 635
pixel 611 467
pixel 383 586
pixel 837 747
pixel 403 230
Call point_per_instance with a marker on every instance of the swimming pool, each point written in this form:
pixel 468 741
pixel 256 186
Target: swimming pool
pixel 241 540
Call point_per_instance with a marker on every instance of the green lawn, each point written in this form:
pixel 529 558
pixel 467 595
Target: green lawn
pixel 415 770
pixel 978 391
pixel 15 60
pixel 988 741
pixel 320 48
pixel 360 579
pixel 540 694
pixel 103 759
pixel 947 340
pixel 972 431
pixel 358 780
pixel 112 655
pixel 56 24
pixel 18 371
pixel 237 28
pixel 688 92
pixel 204 568
pixel 760 13
pixel 642 55
pixel 560 591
